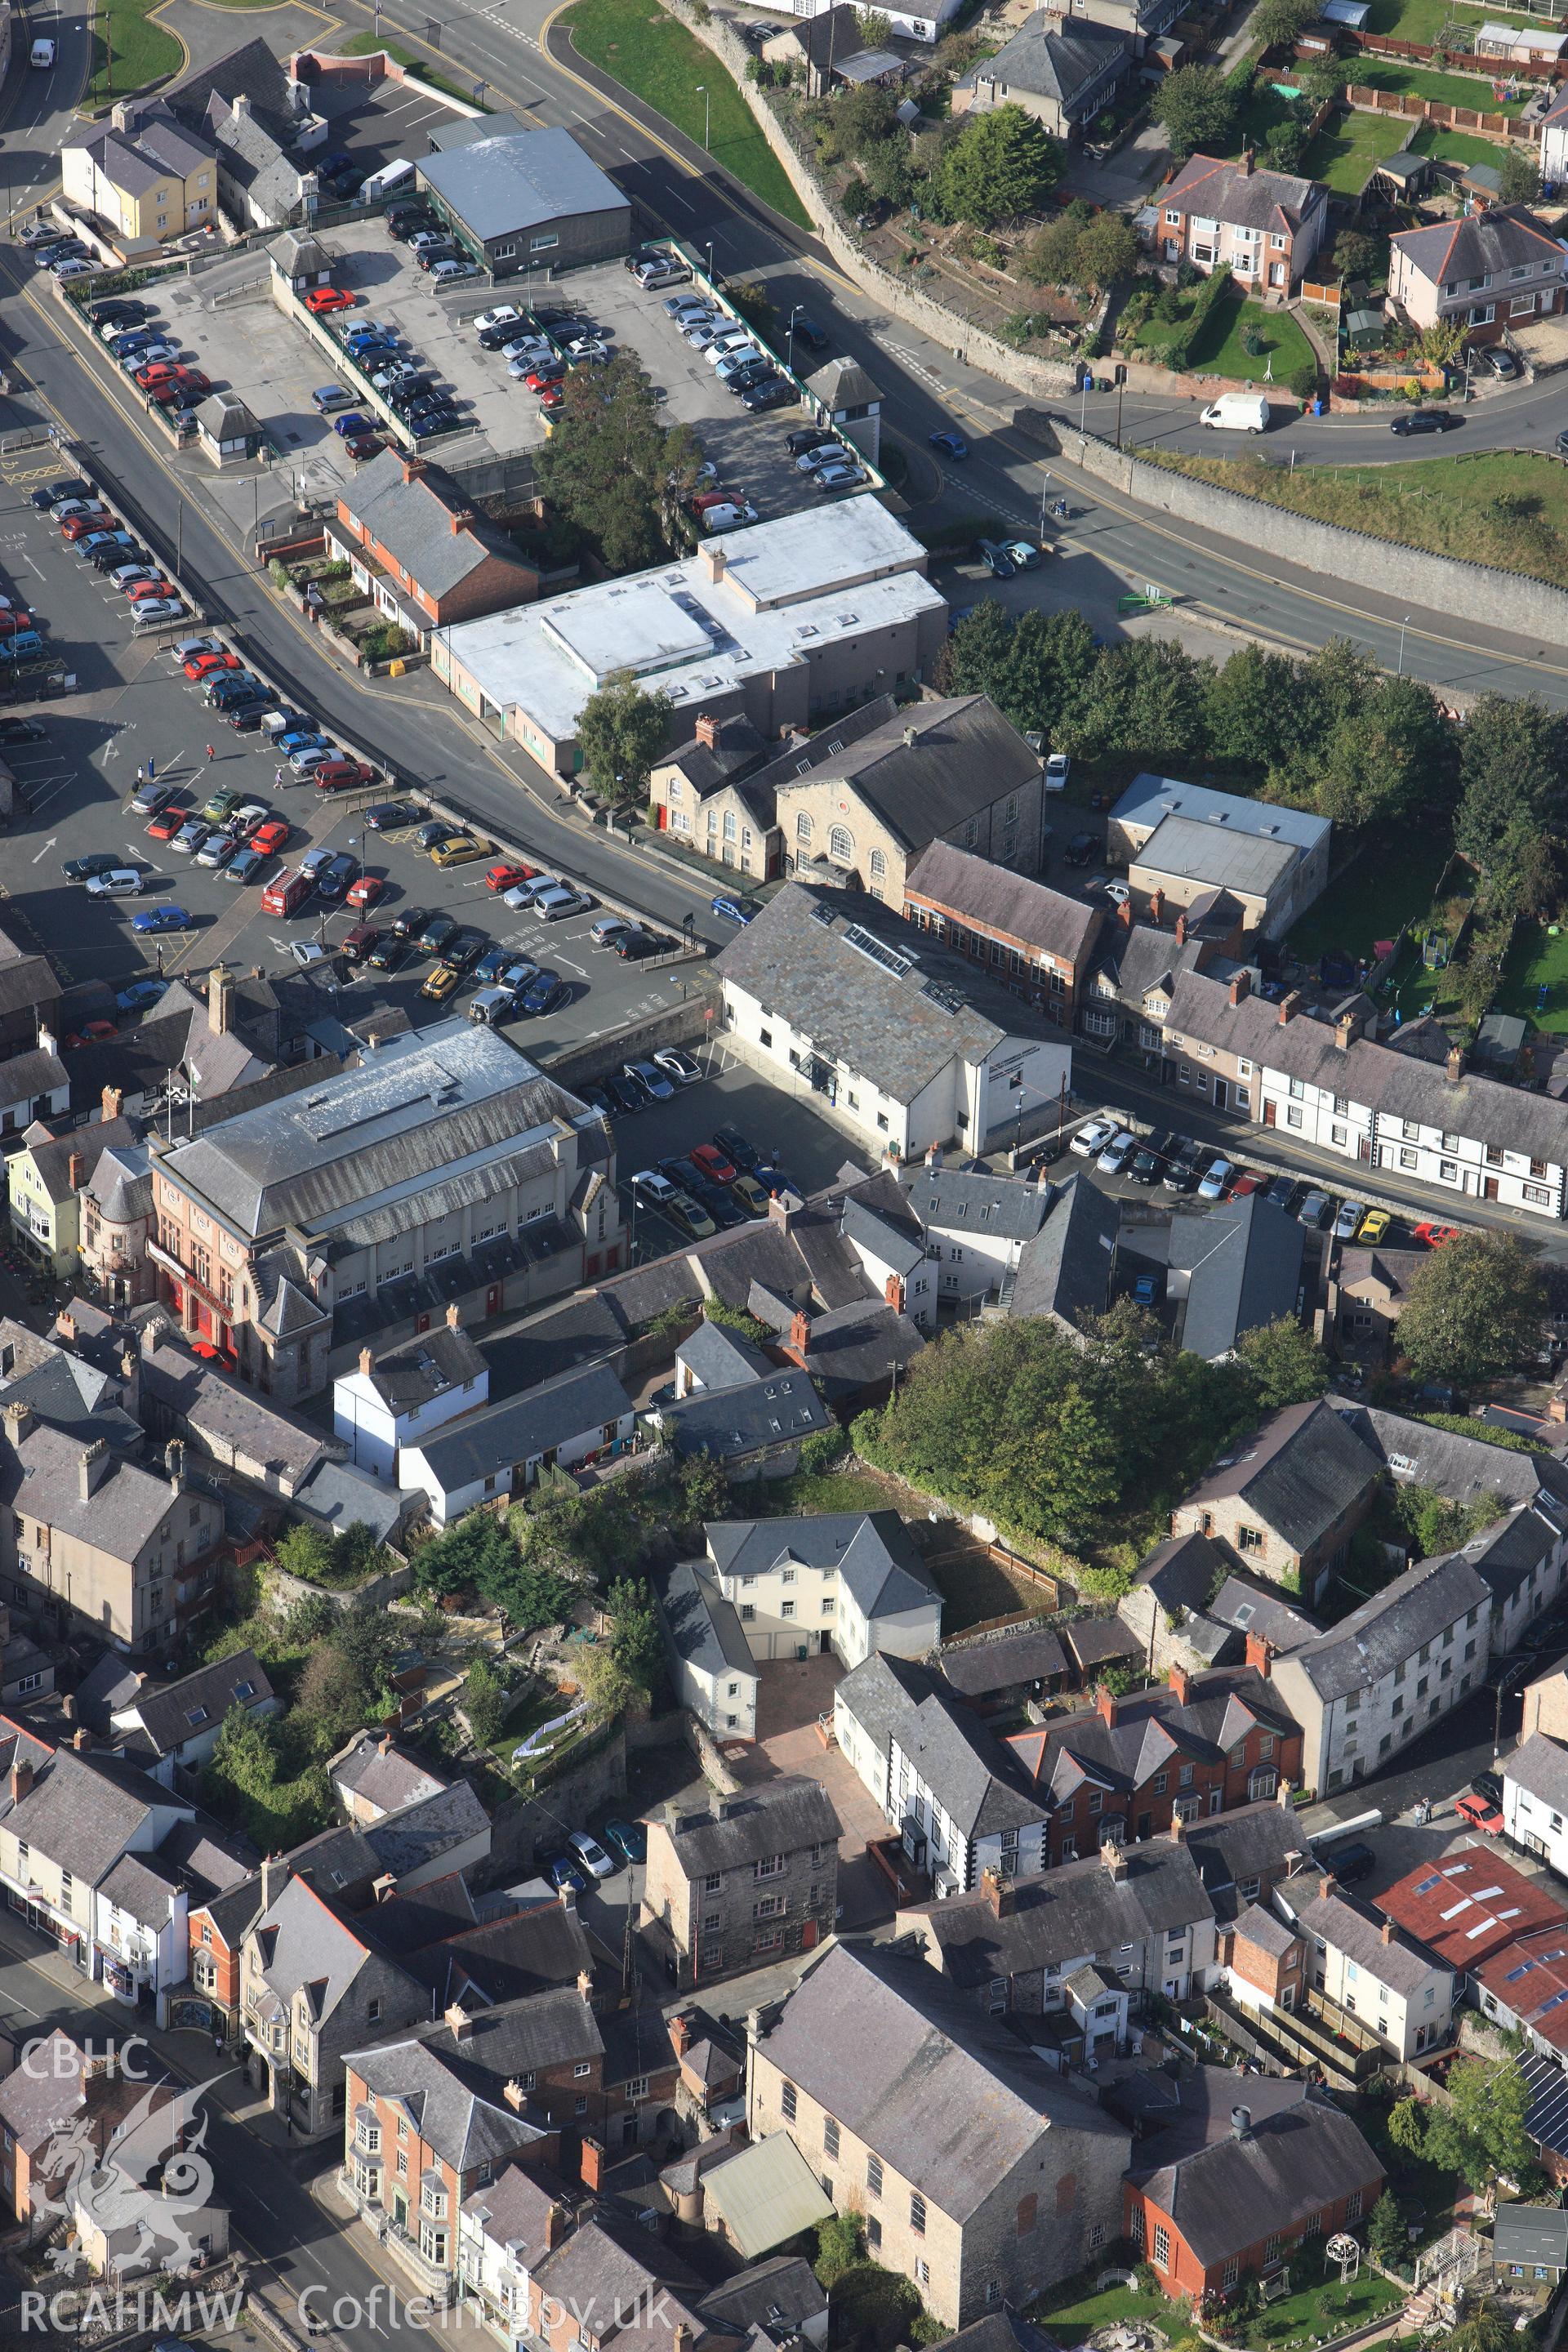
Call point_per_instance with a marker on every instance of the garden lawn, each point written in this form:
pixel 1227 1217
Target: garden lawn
pixel 128 51
pixel 1391 883
pixel 1422 20
pixel 1069 2323
pixel 1415 81
pixel 1537 959
pixel 364 43
pixel 1495 507
pixel 659 60
pixel 1342 156
pixel 1455 146
pixel 536 1706
pixel 1323 2308
pixel 1221 350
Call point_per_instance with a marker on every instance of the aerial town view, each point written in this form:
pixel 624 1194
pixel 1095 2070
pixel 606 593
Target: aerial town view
pixel 784 1239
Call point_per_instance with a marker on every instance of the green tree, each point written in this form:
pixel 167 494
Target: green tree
pixel 864 118
pixel 332 1702
pixel 888 174
pixel 704 1488
pixel 1002 163
pixel 1279 24
pixel 635 1637
pixel 1032 666
pixel 482 1554
pixel 1390 764
pixel 875 29
pixel 1107 251
pixel 1473 1310
pixel 305 1551
pixel 1196 109
pixel 622 731
pixel 614 469
pixel 1287 1365
pixel 1249 701
pixel 1283 145
pixel 485 1701
pixel 1512 759
pixel 839 2245
pixel 1385 2237
pixel 1442 342
pixel 606 1686
pixel 1049 257
pixel 1487 2326
pixel 1356 254
pixel 1407 2127
pixel 1143 701
pixel 1518 183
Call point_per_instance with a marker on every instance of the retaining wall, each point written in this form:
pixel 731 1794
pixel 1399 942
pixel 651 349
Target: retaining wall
pixel 1469 591
pixel 519 1832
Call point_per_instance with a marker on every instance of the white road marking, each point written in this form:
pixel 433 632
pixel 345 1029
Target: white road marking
pixel 45 850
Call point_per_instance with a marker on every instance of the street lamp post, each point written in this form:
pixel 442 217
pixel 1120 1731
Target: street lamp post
pixel 707 115
pixel 789 354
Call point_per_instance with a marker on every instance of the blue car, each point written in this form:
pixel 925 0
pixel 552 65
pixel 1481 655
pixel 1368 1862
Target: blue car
pixel 629 1839
pixel 951 444
pixel 734 911
pixel 161 918
pixel 140 995
pixel 351 425
pixel 543 993
pixel 489 967
pixel 301 739
pixel 562 1872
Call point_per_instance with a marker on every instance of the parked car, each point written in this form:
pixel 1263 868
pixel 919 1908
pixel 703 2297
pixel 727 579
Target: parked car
pixel 678 1065
pixel 1117 1154
pixel 1349 1216
pixel 1374 1225
pixel 1092 1138
pixel 629 1839
pixel 1213 1187
pixel 1347 1864
pixel 590 1853
pixel 1426 420
pixel 1480 1814
pixel 1313 1210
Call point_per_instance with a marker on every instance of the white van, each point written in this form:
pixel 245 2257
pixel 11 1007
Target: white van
pixel 380 183
pixel 1238 412
pixel 42 56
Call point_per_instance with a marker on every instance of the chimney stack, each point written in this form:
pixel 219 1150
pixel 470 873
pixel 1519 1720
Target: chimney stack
pixel 716 561
pixel 799 1335
pixel 514 2095
pixel 1182 1685
pixel 1156 905
pixel 366 1363
pixel 92 1468
pixel 1112 1860
pixel 1106 1705
pixel 21 1779
pixel 557 2221
pixel 1282 1796
pixel 47 1042
pixel 1259 1653
pixel 1000 1893
pixel 1241 2123
pixel 220 1000
pixel 681 2032
pixel 584 1984
pixel 18 1420
pixel 1387 1931
pixel 459 2023
pixel 1178 1830
pixel 707 730
pixel 174 1463
pixel 1241 986
pixel 591 2169
pixel 1455 1064
pixel 461 519
pixel 76 1170
pixel 1182 929
pixel 1289 1005
pixel 910 739
pixel 454 1316
pixel 274 1877
pixel 384 1888
pixel 81 1741
pixel 1249 158
pixel 110 1103
pixel 384 1745
pixel 719 1804
pixel 1124 914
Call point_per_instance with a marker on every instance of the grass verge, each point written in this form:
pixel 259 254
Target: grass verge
pixel 1495 508
pixel 128 52
pixel 662 63
pixel 364 45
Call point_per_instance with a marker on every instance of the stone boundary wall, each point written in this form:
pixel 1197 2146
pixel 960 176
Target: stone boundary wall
pixel 1469 591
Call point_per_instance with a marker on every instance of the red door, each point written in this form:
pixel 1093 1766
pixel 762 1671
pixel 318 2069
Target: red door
pixel 492 1299
pixel 422 1323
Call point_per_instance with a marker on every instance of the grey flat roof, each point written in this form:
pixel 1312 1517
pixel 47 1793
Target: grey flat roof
pixel 518 181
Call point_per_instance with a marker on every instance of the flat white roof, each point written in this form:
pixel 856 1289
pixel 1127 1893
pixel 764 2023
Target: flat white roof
pixel 1522 36
pixel 787 586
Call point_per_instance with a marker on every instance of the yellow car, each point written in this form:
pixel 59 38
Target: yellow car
pixel 1374 1226
pixel 682 1211
pixel 441 983
pixel 751 1195
pixel 460 849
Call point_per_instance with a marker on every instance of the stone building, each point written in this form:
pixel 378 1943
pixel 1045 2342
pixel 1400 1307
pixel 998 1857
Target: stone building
pixel 752 1878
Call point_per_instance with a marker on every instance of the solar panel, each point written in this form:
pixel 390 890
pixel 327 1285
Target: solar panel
pixel 877 951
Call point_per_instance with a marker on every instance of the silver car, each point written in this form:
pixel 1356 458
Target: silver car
pixel 190 837
pixel 1350 1217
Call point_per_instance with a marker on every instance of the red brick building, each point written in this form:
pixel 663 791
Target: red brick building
pixel 1032 939
pixel 1226 2192
pixel 426 555
pixel 1126 1769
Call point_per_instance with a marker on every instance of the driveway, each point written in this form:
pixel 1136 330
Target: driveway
pixel 791 1695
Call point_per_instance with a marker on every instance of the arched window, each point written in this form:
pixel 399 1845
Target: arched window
pixel 729 824
pixel 803 827
pixel 841 845
pixel 878 866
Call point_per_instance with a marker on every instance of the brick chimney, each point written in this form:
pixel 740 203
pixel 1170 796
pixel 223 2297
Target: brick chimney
pixel 459 2023
pixel 384 1888
pixel 514 2095
pixel 413 468
pixel 76 1170
pixel 220 1000
pixel 81 1741
pixel 462 518
pixel 1455 1066
pixel 893 1292
pixel 799 1335
pixel 1124 914
pixel 1106 1705
pixel 707 730
pixel 1249 158
pixel 591 2168
pixel 1182 1685
pixel 110 1103
pixel 1289 1005
pixel 681 2032
pixel 454 1316
pixel 174 1464
pixel 1387 1931
pixel 384 1745
pixel 557 2221
pixel 783 1210
pixel 1182 929
pixel 584 1985
pixel 21 1779
pixel 1178 1831
pixel 1114 1862
pixel 1001 1895
pixel 1241 987
pixel 92 1468
pixel 1156 904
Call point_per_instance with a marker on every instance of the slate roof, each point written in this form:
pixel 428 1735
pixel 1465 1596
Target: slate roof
pixel 1182 1571
pixel 1053 63
pixel 421 1832
pixel 872 1550
pixel 1375 1638
pixel 141 1885
pixel 82 1811
pixel 704 1630
pixel 892 1237
pixel 1065 1271
pixel 943 2093
pixel 1095 1641
pixel 1531 2234
pixel 882 1692
pixel 382 1774
pixel 779 2294
pixel 858 1347
pixel 1261 1841
pixel 411 515
pixel 107 1684
pixel 970 1773
pixel 427 1366
pixel 964 757
pixel 570 1406
pixel 1226 2193
pixel 405 1925
pixel 52 1155
pixel 880 1024
pixel 761 785
pixel 973 890
pixel 1369 1074
pixel 1465 1469
pixel 464 2127
pixel 731 1422
pixel 1069 1914
pixel 1259 1926
pixel 1468 1906
pixel 1025 1655
pixel 520 181
pixel 1402 1966
pixel 1241 198
pixel 122 1184
pixel 1540 1767
pixel 172 1713
pixel 1152 1726
pixel 1298 1471
pixel 514 2211
pixel 304 1943
pixel 775 1817
pixel 737 747
pixel 1503 237
pixel 556 2028
pixel 1243 1263
pixel 124 1510
pixel 721 1358
pixel 956 1200
pixel 1258 1609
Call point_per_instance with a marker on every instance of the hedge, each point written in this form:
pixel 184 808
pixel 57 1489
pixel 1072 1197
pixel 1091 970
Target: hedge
pixel 1179 349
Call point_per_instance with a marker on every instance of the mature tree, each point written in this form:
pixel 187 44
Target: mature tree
pixel 1407 2127
pixel 1391 762
pixel 1143 701
pixel 1442 342
pixel 1283 145
pixel 634 1632
pixel 622 732
pixel 1251 704
pixel 606 1686
pixel 1002 163
pixel 485 1701
pixel 1049 257
pixel 1196 108
pixel 864 117
pixel 613 468
pixel 1287 1365
pixel 888 174
pixel 482 1554
pixel 1385 2237
pixel 839 2245
pixel 305 1551
pixel 1107 251
pixel 1279 24
pixel 1513 756
pixel 1482 2132
pixel 875 29
pixel 1519 177
pixel 1356 254
pixel 1032 667
pixel 1473 1310
pixel 332 1701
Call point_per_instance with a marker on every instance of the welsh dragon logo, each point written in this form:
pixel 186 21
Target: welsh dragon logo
pixel 142 2193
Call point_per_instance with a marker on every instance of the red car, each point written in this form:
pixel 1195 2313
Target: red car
pixel 155 370
pixel 711 1160
pixel 168 821
pixel 366 890
pixel 1481 1814
pixel 1437 1236
pixel 142 588
pixel 77 527
pixel 325 298
pixel 551 398
pixel 92 1032
pixel 12 621
pixel 190 384
pixel 363 446
pixel 507 876
pixel 203 665
pixel 541 379
pixel 271 837
pixel 1248 1182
